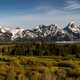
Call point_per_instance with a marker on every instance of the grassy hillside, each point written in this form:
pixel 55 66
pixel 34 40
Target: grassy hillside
pixel 39 68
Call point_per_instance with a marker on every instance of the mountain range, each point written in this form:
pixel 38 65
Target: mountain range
pixel 42 33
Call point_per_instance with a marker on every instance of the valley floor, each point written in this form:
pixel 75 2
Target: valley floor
pixel 39 68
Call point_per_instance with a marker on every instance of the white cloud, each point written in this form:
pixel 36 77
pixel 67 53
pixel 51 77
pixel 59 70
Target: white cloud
pixel 72 5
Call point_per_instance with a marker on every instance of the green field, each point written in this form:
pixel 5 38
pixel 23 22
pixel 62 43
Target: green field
pixel 39 68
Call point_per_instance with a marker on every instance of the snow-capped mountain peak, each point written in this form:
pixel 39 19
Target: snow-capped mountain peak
pixel 51 32
pixel 4 29
pixel 17 33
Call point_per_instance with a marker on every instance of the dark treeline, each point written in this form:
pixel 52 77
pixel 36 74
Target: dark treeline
pixel 40 49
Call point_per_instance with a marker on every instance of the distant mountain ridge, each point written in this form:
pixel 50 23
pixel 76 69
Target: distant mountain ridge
pixel 42 33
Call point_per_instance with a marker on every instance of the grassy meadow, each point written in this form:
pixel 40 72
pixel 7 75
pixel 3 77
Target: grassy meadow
pixel 39 61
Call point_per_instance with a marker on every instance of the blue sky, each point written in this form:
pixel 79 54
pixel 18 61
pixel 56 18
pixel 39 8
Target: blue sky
pixel 33 12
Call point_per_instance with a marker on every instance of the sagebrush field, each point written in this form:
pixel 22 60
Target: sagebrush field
pixel 39 68
pixel 39 61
